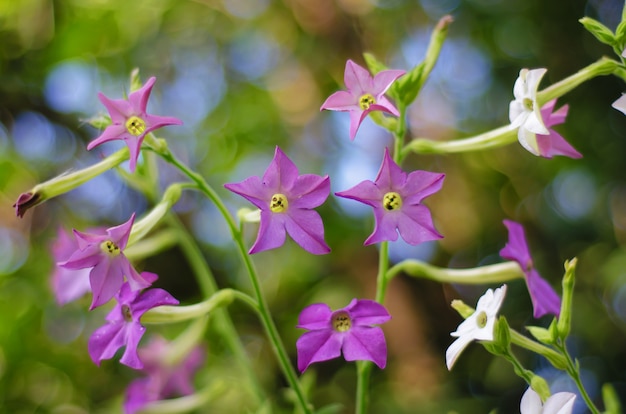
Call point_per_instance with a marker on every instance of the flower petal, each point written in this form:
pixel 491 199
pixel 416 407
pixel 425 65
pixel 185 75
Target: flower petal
pixel 119 234
pixel 134 333
pixel 559 403
pixel 281 174
pixel 105 282
pixel 105 341
pixel 110 133
pixel 364 312
pixel 383 80
pixel 310 191
pixel 620 104
pixel 151 298
pixel 366 192
pixel 421 184
pixel 554 144
pixel 356 117
pixel 516 248
pixel 315 316
pixel 316 346
pixel 455 349
pixel 341 101
pixel 271 232
pixel 307 229
pixel 357 79
pixel 119 109
pixel 252 190
pixel 531 402
pixel 365 343
pixel 415 225
pixel 390 177
pixel 545 300
pixel 385 226
pixel 139 99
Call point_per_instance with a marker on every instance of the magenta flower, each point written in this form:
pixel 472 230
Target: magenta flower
pixel 67 284
pixel 364 95
pixel 396 198
pixel 553 143
pixel 348 330
pixel 163 380
pixel 286 200
pixel 544 298
pixel 105 254
pixel 26 201
pixel 124 328
pixel 130 122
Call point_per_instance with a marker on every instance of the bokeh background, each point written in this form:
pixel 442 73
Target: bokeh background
pixel 247 75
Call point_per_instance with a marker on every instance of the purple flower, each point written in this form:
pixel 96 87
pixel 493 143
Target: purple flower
pixel 163 380
pixel 105 253
pixel 553 143
pixel 396 198
pixel 26 201
pixel 364 95
pixel 544 298
pixel 130 122
pixel 67 284
pixel 124 328
pixel 348 330
pixel 286 200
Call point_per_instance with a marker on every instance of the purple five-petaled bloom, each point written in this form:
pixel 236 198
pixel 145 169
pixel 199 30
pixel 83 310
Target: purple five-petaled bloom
pixel 348 330
pixel 124 328
pixel 130 121
pixel 286 200
pixel 396 198
pixel 105 253
pixel 163 380
pixel 544 298
pixel 364 95
pixel 552 144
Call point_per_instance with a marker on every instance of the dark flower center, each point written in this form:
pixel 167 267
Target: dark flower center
pixel 128 317
pixel 392 201
pixel 135 125
pixel 366 100
pixel 341 322
pixel 110 248
pixel 279 203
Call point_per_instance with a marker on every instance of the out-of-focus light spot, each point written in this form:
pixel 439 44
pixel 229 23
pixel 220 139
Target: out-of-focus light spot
pixel 71 87
pixel 356 7
pixel 294 91
pixel 246 9
pixel 63 324
pixel 573 194
pixel 619 302
pixel 33 136
pixel 606 11
pixel 209 226
pixel 437 8
pixel 516 37
pixel 253 56
pixel 13 250
pixel 400 250
pixel 4 137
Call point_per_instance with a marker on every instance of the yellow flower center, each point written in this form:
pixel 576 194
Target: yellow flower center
pixel 128 317
pixel 110 248
pixel 392 201
pixel 481 319
pixel 135 125
pixel 341 322
pixel 528 104
pixel 366 100
pixel 279 203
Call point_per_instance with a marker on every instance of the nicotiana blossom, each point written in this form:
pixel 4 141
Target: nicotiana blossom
pixel 364 95
pixel 105 254
pixel 130 121
pixel 524 111
pixel 544 298
pixel 559 403
pixel 620 104
pixel 396 199
pixel 162 380
pixel 286 200
pixel 67 284
pixel 348 330
pixel 477 327
pixel 553 143
pixel 123 327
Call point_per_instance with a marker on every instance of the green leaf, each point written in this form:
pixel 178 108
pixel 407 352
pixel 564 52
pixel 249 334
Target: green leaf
pixel 612 404
pixel 541 334
pixel 600 31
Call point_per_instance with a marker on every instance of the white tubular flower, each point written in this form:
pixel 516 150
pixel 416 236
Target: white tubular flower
pixel 524 111
pixel 559 403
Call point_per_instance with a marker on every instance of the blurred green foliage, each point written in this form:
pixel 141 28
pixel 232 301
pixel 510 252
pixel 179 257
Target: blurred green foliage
pixel 246 75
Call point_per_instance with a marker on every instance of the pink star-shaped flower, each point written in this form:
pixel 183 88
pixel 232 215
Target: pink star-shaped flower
pixel 364 95
pixel 130 121
pixel 396 198
pixel 105 254
pixel 286 200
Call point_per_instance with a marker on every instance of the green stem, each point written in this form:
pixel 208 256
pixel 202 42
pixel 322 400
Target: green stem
pixel 495 273
pixel 574 373
pixel 554 357
pixel 264 313
pixel 223 323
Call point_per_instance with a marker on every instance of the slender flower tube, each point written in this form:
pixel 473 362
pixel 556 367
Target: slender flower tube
pixel 364 95
pixel 130 121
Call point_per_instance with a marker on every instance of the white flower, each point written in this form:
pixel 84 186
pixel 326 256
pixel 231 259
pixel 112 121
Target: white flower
pixel 559 403
pixel 479 326
pixel 620 104
pixel 524 111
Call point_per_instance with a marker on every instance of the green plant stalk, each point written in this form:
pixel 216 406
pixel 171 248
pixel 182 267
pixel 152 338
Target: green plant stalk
pixel 552 356
pixel 264 313
pixel 495 273
pixel 223 323
pixel 573 372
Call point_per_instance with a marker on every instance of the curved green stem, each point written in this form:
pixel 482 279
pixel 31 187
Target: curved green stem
pixel 495 273
pixel 552 356
pixel 264 313
pixel 574 373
